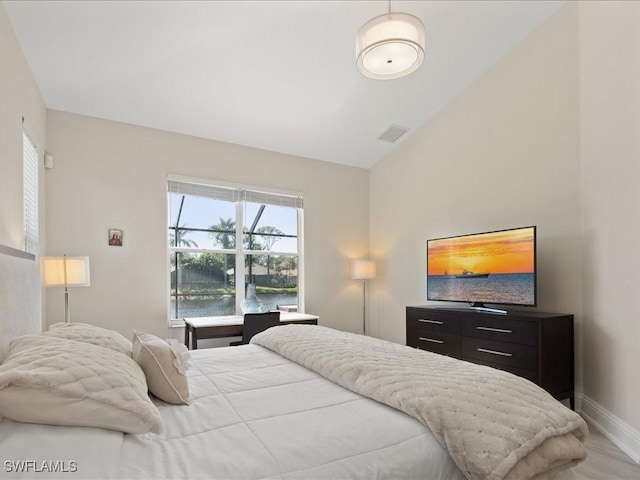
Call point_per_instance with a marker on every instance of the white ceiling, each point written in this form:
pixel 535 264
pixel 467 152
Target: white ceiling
pixel 276 75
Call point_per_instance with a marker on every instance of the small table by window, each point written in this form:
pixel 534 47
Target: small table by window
pixel 231 326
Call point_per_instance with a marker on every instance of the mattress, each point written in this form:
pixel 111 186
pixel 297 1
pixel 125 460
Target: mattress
pixel 253 414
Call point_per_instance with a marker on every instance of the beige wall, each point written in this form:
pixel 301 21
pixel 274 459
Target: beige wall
pixel 610 181
pixel 503 154
pixel 20 99
pixel 20 293
pixel 113 175
pixel 548 136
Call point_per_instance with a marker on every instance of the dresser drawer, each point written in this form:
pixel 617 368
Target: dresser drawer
pixel 501 329
pixel 500 353
pixel 534 345
pixel 438 342
pixel 434 321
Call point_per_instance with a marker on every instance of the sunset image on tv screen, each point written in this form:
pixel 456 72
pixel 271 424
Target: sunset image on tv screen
pixel 494 267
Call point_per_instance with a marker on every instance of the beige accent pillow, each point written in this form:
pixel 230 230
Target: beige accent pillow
pixel 56 381
pixel 84 332
pixel 164 366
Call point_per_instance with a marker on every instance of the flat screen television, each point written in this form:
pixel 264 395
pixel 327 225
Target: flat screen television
pixel 484 268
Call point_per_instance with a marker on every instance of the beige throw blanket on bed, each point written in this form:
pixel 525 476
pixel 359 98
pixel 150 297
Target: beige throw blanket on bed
pixel 495 425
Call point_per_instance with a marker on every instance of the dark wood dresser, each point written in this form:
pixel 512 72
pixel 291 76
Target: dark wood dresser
pixel 534 345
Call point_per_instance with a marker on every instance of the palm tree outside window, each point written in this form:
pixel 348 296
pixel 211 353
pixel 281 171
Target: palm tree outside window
pixel 209 268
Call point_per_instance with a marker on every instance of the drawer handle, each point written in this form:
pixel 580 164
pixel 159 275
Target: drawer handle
pixel 498 330
pixel 494 352
pixel 432 340
pixel 425 320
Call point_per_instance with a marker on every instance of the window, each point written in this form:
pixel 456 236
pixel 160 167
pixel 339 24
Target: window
pixel 223 238
pixel 30 192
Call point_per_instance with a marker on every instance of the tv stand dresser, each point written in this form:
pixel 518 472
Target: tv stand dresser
pixel 534 345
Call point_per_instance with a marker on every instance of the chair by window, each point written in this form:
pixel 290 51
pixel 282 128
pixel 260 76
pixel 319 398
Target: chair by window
pixel 255 323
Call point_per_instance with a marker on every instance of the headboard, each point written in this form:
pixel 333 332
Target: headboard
pixel 20 296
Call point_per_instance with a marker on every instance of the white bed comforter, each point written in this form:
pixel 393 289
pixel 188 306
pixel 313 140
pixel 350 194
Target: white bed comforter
pixel 253 414
pixel 494 424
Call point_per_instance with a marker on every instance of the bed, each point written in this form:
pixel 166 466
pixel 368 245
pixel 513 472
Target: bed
pixel 310 402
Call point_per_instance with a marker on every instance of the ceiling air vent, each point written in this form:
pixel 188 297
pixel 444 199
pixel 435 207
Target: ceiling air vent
pixel 393 133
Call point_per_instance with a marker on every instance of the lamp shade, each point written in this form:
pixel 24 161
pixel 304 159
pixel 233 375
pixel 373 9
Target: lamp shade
pixel 66 271
pixel 363 269
pixel 390 46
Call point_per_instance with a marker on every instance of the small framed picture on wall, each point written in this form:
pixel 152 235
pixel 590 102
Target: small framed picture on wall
pixel 115 237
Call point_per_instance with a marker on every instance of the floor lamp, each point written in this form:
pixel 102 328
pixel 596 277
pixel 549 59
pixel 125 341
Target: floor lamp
pixel 66 272
pixel 363 270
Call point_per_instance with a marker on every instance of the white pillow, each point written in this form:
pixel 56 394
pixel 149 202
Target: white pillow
pixel 164 366
pixel 65 382
pixel 83 332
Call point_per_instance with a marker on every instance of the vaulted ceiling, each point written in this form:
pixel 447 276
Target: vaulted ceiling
pixel 276 75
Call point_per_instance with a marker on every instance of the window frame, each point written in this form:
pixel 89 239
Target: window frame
pixel 239 251
pixel 30 193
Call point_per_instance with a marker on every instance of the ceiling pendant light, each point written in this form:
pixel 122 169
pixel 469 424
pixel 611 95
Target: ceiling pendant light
pixel 390 46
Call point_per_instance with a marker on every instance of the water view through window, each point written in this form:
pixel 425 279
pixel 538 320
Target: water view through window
pixel 204 226
pixel 225 305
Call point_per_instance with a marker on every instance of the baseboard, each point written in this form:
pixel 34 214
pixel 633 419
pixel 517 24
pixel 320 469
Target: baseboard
pixel 623 435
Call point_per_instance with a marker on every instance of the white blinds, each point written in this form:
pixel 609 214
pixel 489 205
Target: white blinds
pixel 30 186
pixel 202 190
pixel 234 194
pixel 271 198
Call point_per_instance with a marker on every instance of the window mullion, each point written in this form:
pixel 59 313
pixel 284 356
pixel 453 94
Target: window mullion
pixel 301 306
pixel 240 256
pixel 177 283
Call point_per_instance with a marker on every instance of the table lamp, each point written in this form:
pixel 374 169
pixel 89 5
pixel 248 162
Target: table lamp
pixel 68 272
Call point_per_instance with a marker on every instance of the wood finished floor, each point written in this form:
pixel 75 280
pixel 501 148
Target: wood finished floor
pixel 605 461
